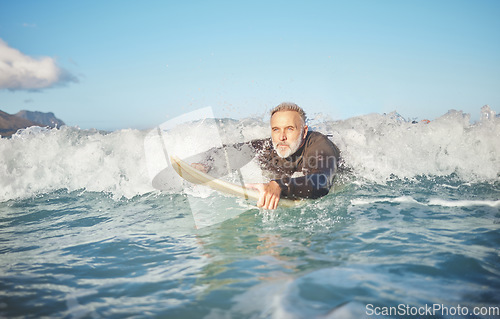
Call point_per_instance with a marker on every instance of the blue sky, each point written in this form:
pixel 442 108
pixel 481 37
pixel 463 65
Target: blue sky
pixel 136 64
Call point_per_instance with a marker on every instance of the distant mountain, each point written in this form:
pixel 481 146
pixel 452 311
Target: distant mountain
pixel 46 119
pixel 9 124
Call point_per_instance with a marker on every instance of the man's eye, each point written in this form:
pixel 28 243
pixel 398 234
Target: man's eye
pixel 290 128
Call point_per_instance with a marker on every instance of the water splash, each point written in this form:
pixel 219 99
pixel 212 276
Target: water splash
pixel 377 147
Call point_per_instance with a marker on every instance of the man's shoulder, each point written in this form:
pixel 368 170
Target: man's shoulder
pixel 315 136
pixel 317 141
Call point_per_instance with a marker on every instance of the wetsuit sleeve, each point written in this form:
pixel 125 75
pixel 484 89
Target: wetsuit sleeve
pixel 320 165
pixel 222 160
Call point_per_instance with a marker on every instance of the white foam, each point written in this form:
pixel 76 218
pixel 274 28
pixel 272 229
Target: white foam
pixel 398 200
pixel 431 202
pixel 380 146
pixel 463 203
pixel 34 162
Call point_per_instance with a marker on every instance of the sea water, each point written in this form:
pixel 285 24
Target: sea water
pixel 413 231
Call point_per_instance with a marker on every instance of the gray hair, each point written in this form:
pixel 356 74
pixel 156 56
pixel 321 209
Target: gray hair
pixel 289 106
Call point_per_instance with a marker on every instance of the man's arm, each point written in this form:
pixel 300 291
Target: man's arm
pixel 308 186
pixel 220 161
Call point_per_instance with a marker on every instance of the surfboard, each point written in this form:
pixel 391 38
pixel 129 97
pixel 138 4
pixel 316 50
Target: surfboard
pixel 192 175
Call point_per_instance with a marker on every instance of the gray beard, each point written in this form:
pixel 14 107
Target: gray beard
pixel 292 148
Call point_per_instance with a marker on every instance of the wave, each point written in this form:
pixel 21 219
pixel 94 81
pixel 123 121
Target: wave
pixel 36 161
pixel 376 147
pixel 381 146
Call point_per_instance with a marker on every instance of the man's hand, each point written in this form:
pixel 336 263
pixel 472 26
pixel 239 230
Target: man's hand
pixel 269 194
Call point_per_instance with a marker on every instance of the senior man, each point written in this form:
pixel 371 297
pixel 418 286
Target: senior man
pixel 301 163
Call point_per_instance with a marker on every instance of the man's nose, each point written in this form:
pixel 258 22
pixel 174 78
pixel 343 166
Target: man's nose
pixel 283 136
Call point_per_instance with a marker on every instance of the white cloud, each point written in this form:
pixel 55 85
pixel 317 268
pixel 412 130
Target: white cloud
pixel 21 72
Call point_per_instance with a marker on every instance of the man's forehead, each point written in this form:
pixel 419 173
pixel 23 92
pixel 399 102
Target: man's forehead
pixel 285 118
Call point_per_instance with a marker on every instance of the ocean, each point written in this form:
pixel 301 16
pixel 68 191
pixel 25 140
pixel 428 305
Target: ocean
pixel 411 231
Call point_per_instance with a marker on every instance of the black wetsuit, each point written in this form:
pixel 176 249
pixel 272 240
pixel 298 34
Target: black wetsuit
pixel 308 173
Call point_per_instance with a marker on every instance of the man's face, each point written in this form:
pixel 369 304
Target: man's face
pixel 287 132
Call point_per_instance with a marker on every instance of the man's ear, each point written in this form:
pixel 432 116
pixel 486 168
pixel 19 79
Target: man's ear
pixel 305 130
